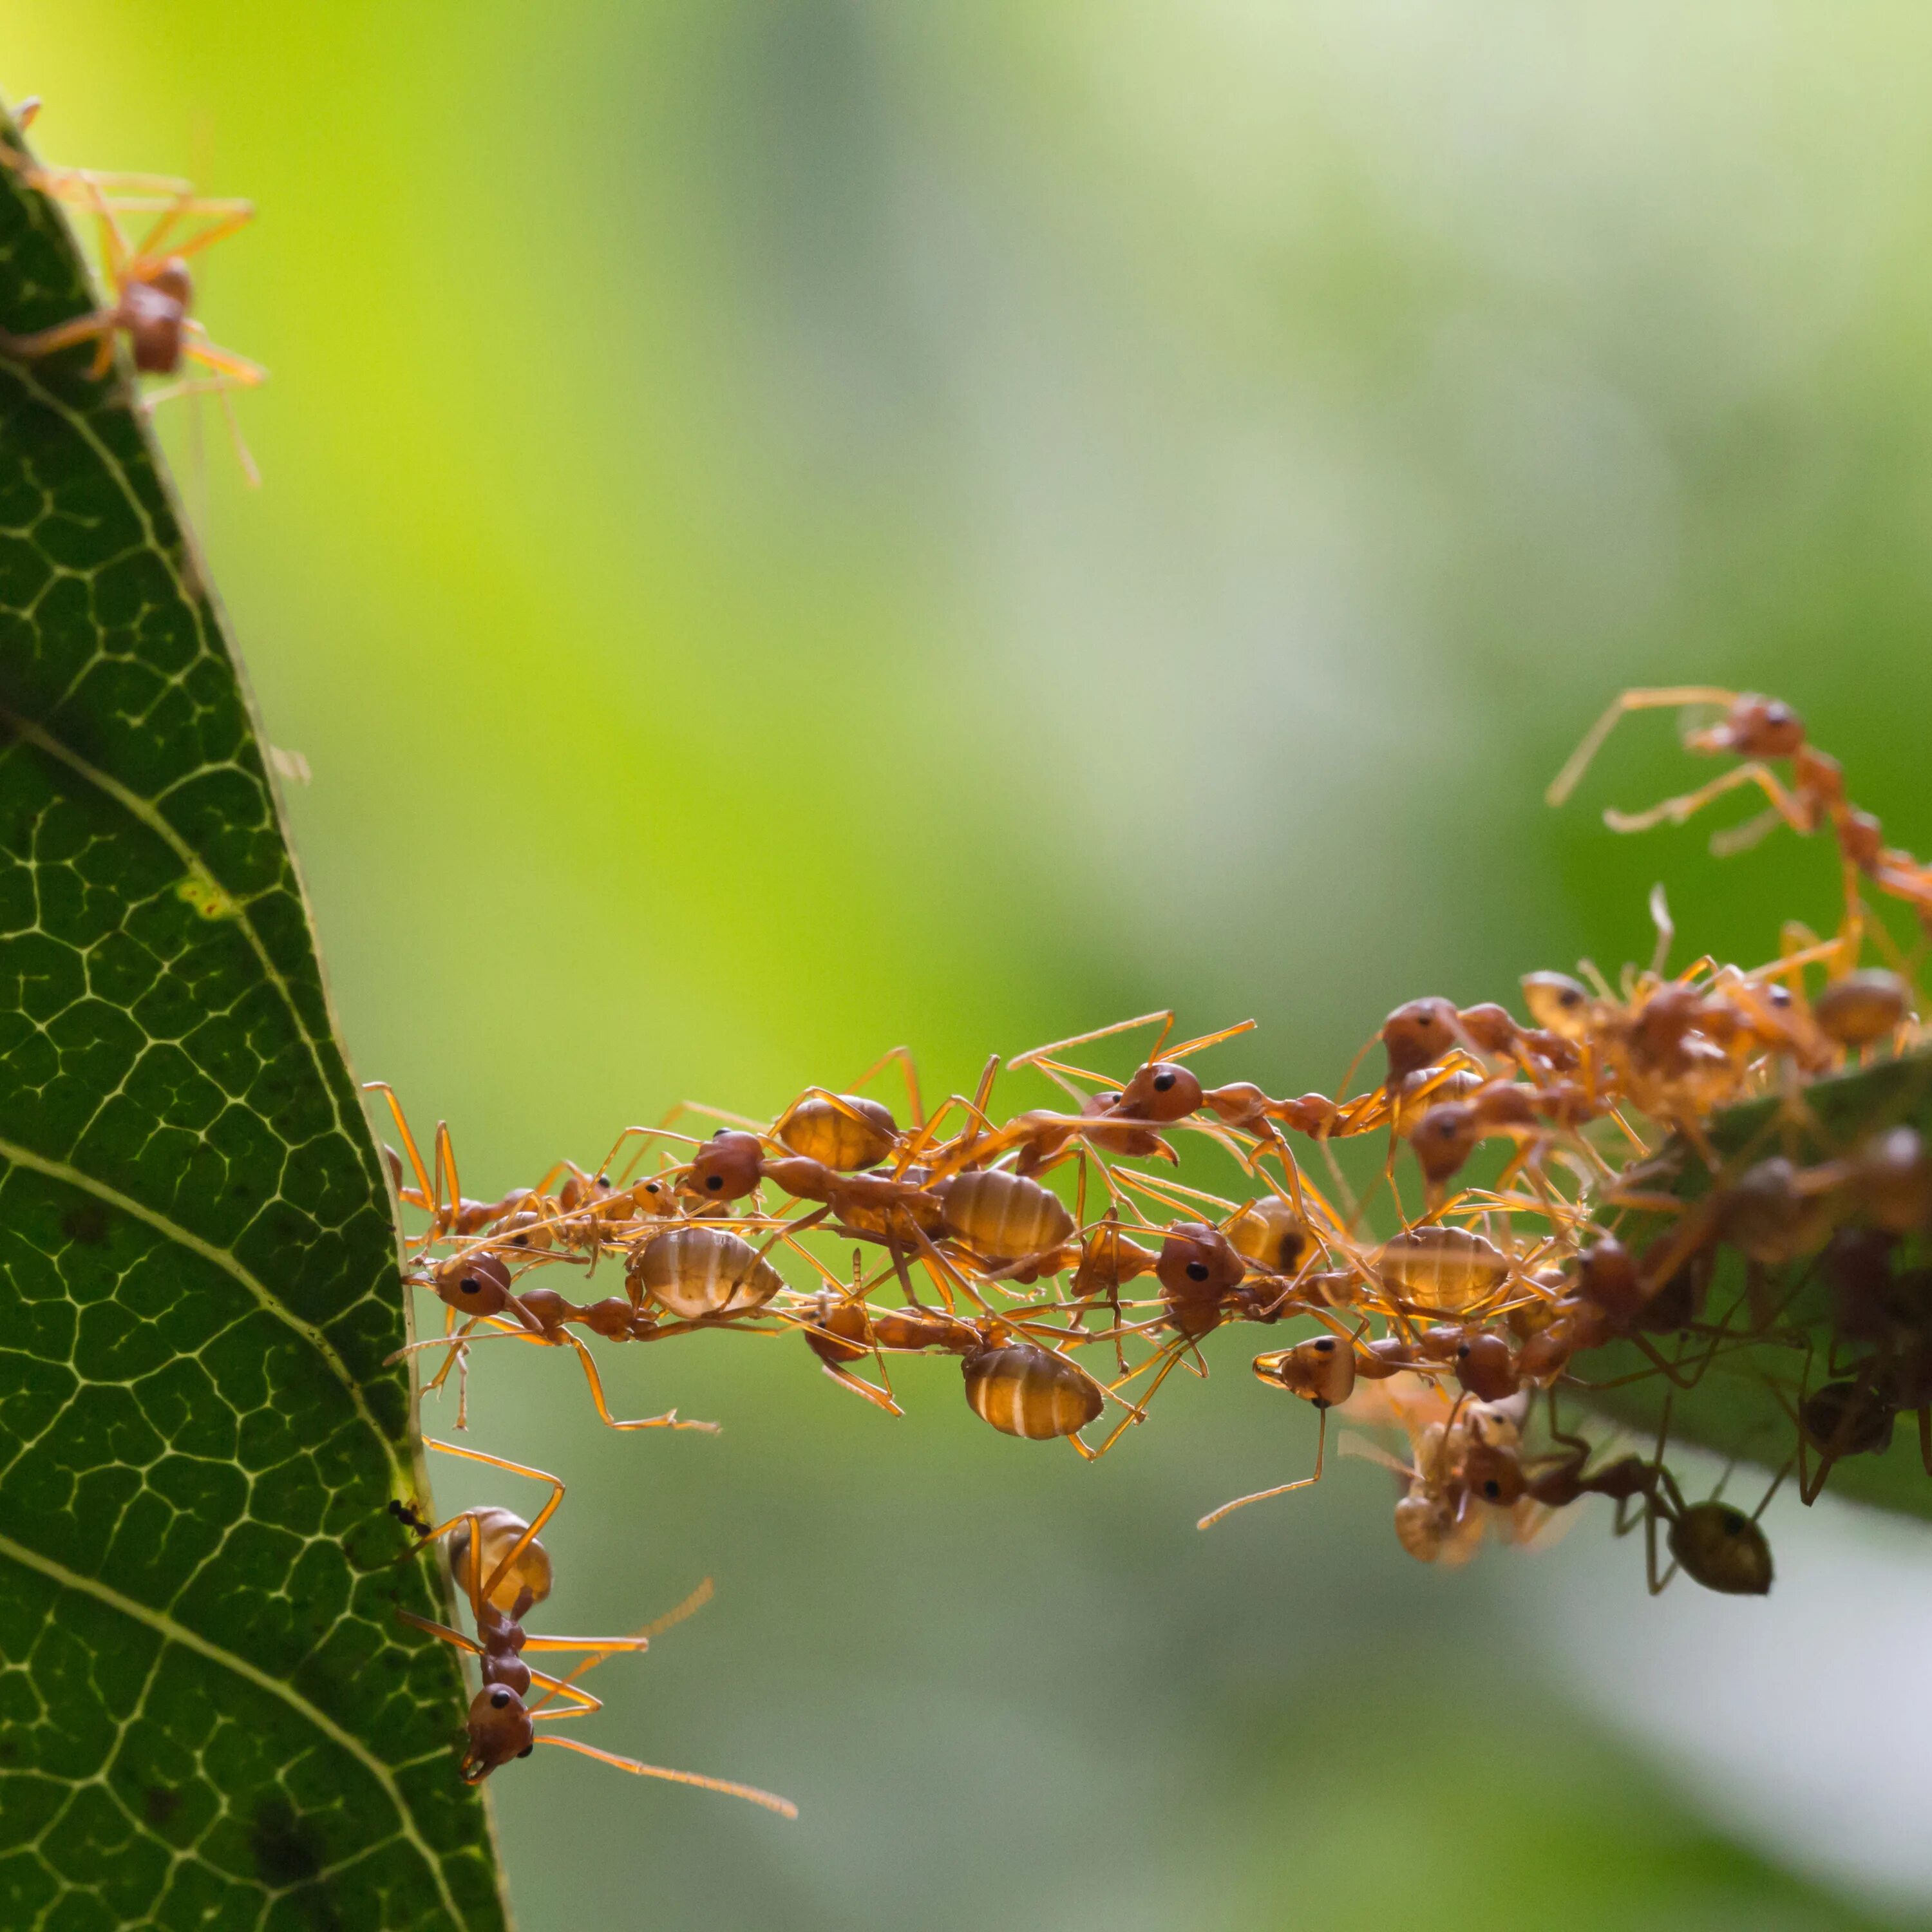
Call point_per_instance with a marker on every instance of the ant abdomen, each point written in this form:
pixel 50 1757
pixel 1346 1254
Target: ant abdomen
pixel 698 1273
pixel 845 1131
pixel 1003 1216
pixel 1023 1390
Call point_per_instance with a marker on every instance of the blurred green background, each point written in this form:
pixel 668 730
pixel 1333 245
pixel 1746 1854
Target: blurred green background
pixel 792 526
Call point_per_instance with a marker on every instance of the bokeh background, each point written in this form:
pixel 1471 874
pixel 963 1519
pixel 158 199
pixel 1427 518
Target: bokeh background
pixel 792 526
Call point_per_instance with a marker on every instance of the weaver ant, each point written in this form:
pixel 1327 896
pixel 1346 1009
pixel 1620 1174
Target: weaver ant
pixel 1760 730
pixel 505 1572
pixel 154 288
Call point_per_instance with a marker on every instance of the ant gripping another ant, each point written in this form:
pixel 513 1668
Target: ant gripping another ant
pixel 1451 1323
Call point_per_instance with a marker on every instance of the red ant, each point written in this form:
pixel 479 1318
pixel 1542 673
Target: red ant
pixel 502 1720
pixel 153 287
pixel 1760 730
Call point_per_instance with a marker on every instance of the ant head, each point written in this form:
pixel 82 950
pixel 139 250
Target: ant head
pixel 1198 1263
pixel 500 1729
pixel 1862 837
pixel 1558 1003
pixel 1723 1549
pixel 1760 727
pixel 1486 1367
pixel 841 1331
pixel 1418 1035
pixel 726 1167
pixel 1321 1370
pixel 477 1284
pixel 1161 1090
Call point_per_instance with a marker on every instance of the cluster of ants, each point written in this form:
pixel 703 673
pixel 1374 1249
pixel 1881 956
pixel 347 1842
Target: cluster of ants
pixel 1445 1331
pixel 1067 1307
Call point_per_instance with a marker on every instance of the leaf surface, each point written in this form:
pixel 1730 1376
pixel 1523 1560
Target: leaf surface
pixel 1733 1407
pixel 209 1713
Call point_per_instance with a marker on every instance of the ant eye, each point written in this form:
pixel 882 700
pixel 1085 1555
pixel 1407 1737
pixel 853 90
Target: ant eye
pixel 500 1699
pixel 1197 1270
pixel 470 1284
pixel 1493 1489
pixel 714 1181
pixel 1163 1081
pixel 603 1180
pixel 1325 1346
pixel 527 1750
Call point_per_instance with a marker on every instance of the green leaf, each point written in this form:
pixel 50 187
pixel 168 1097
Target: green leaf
pixel 1733 1406
pixel 209 1713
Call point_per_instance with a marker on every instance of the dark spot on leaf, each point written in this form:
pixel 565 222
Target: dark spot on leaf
pixel 288 1848
pixel 159 1803
pixel 88 1224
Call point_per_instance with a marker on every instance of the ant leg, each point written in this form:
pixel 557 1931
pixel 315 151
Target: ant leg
pixel 1036 1053
pixel 1666 698
pixel 1207 1039
pixel 1136 1412
pixel 389 1094
pixel 114 249
pixel 100 325
pixel 1261 1496
pixel 1658 1585
pixel 903 1055
pixel 238 215
pixel 1738 838
pixel 1675 810
pixel 784 1806
pixel 442 1630
pixel 669 1420
pixel 879 1398
pixel 445 1175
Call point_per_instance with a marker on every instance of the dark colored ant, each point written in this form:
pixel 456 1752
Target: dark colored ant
pixel 406 1514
